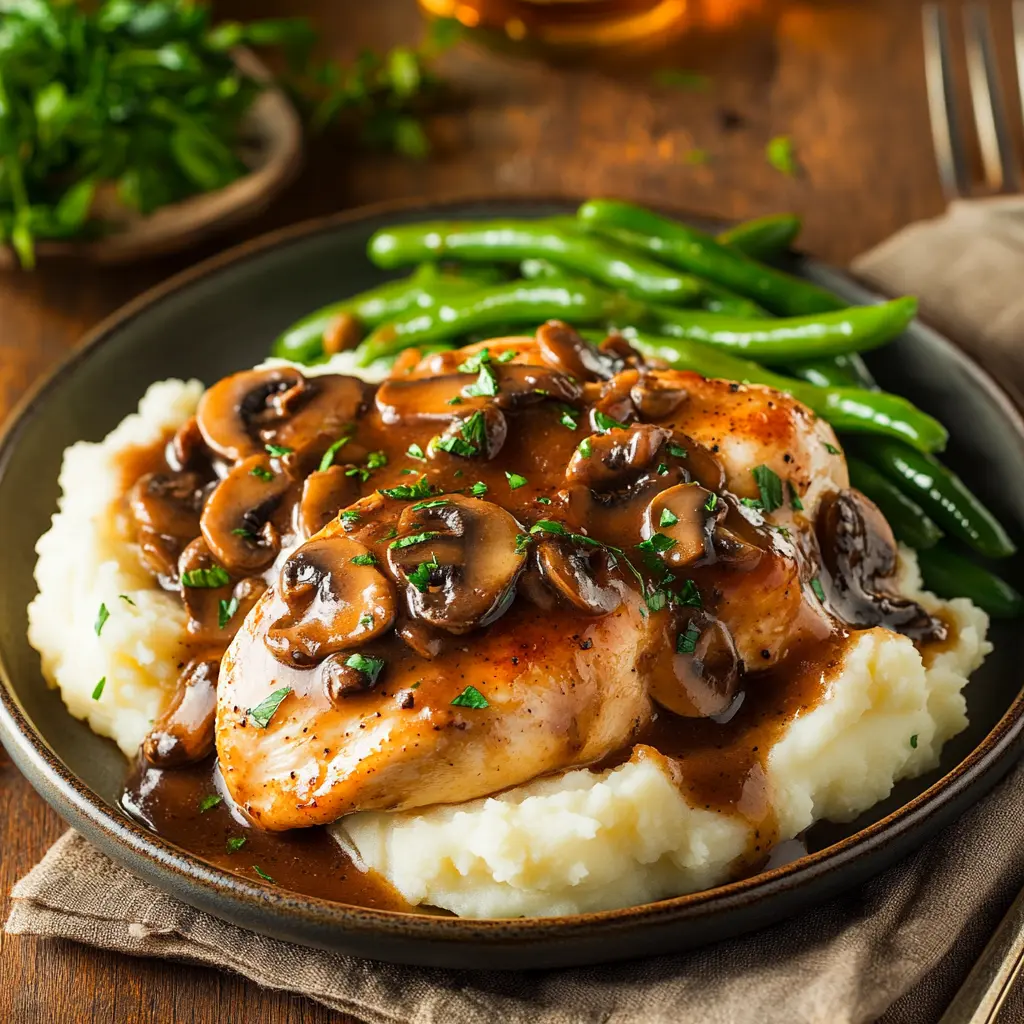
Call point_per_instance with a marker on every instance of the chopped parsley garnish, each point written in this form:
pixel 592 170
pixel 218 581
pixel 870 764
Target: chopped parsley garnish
pixel 98 689
pixel 262 873
pixel 434 503
pixel 485 384
pixel 366 621
pixel 370 667
pixel 414 451
pixel 657 542
pixel 522 540
pixel 376 460
pixel 549 526
pixel 830 448
pixel 279 451
pixel 209 802
pixel 913 741
pixel 686 643
pixel 262 473
pixel 507 356
pixel 350 515
pixel 754 503
pixel 668 518
pixel 584 448
pixel 328 457
pixel 657 600
pixel 794 499
pixel 420 489
pixel 457 400
pixel 662 469
pixel 474 362
pixel 605 422
pixel 819 590
pixel 515 481
pixel 690 595
pixel 241 531
pixel 413 538
pixel 125 597
pixel 365 559
pixel 455 446
pixel 267 708
pixel 407 472
pixel 420 576
pixel 235 843
pixel 712 503
pixel 101 619
pixel 470 697
pixel 474 430
pixel 770 486
pixel 360 471
pixel 542 500
pixel 781 154
pixel 215 576
pixel 226 611
pixel 479 489
pixel 678 451
pixel 568 417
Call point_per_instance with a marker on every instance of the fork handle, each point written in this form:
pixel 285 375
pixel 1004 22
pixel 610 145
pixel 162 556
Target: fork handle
pixel 991 978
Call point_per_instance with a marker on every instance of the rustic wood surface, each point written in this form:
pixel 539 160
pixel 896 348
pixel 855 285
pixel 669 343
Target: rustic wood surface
pixel 845 80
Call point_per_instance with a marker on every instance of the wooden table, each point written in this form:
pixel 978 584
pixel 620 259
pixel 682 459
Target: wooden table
pixel 845 80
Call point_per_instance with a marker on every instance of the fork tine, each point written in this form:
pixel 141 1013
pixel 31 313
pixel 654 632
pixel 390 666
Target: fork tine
pixel 946 135
pixel 987 99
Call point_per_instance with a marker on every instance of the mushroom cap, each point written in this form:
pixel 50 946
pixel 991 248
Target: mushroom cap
pixel 325 493
pixel 184 732
pixel 337 599
pixel 616 458
pixel 563 349
pixel 236 518
pixel 695 511
pixel 581 573
pixel 459 559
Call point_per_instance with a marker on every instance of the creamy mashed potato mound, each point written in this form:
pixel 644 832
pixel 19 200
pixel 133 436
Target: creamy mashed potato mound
pixel 583 841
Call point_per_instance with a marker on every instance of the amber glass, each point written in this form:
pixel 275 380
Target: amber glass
pixel 568 24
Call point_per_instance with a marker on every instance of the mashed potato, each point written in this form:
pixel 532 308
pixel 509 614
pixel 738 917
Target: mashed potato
pixel 587 841
pixel 583 841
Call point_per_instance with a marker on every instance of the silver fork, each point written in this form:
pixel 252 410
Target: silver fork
pixel 1000 168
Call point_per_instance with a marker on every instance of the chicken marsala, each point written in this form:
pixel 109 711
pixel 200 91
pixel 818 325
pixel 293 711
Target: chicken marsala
pixel 503 562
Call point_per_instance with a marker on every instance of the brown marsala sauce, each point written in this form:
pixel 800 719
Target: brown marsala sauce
pixel 553 402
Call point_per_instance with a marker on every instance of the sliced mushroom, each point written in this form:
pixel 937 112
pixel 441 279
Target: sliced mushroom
pixel 615 399
pixel 187 448
pixel 342 680
pixel 236 518
pixel 166 508
pixel 459 559
pixel 481 434
pixel 563 349
pixel 655 398
pixel 697 676
pixel 324 494
pixel 425 399
pixel 327 409
pixel 583 574
pixel 421 638
pixel 337 599
pixel 184 733
pixel 231 413
pixel 520 384
pixel 202 601
pixel 687 514
pixel 610 461
pixel 859 551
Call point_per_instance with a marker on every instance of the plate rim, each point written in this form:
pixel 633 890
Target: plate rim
pixel 131 844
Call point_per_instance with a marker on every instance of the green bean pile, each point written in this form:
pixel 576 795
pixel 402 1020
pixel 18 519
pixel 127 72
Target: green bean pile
pixel 708 304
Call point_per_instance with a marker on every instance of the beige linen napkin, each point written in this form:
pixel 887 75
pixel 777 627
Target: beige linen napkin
pixel 899 946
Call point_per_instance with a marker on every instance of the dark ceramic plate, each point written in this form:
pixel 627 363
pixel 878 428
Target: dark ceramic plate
pixel 221 317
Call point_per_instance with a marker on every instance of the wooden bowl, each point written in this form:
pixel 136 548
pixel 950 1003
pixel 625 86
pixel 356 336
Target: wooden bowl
pixel 273 153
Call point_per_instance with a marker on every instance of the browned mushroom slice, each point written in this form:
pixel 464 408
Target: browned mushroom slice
pixel 655 398
pixel 481 434
pixel 204 584
pixel 325 411
pixel 187 448
pixel 859 551
pixel 563 349
pixel 459 559
pixel 165 507
pixel 184 733
pixel 698 675
pixel 687 515
pixel 236 518
pixel 231 413
pixel 347 676
pixel 337 599
pixel 581 573
pixel 520 384
pixel 324 494
pixel 425 399
pixel 605 462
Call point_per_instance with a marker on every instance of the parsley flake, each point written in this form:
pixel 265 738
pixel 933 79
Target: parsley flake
pixel 507 356
pixel 279 451
pixel 770 486
pixel 686 643
pixel 412 492
pixel 267 708
pixel 754 503
pixel 568 417
pixel 584 448
pixel 657 600
pixel 678 451
pixel 262 473
pixel 455 446
pixel 662 469
pixel 542 500
pixel 434 503
pixel 485 384
pixel 376 460
pixel 470 697
pixel 515 481
pixel 367 558
pixel 98 689
pixel 215 576
pixel 369 667
pixel 262 873
pixel 209 802
pixel 235 843
pixel 241 531
pixel 522 541
pixel 412 539
pixel 668 518
pixel 819 590
pixel 913 741
pixel 421 575
pixel 690 595
pixel 479 489
pixel 781 154
pixel 830 448
pixel 712 503
pixel 226 611
pixel 350 515
pixel 127 599
pixel 414 451
pixel 328 456
pixel 658 542
pixel 101 619
pixel 474 362
pixel 604 422
pixel 794 499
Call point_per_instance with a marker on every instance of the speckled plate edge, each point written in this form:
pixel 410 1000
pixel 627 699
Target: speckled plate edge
pixel 672 924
